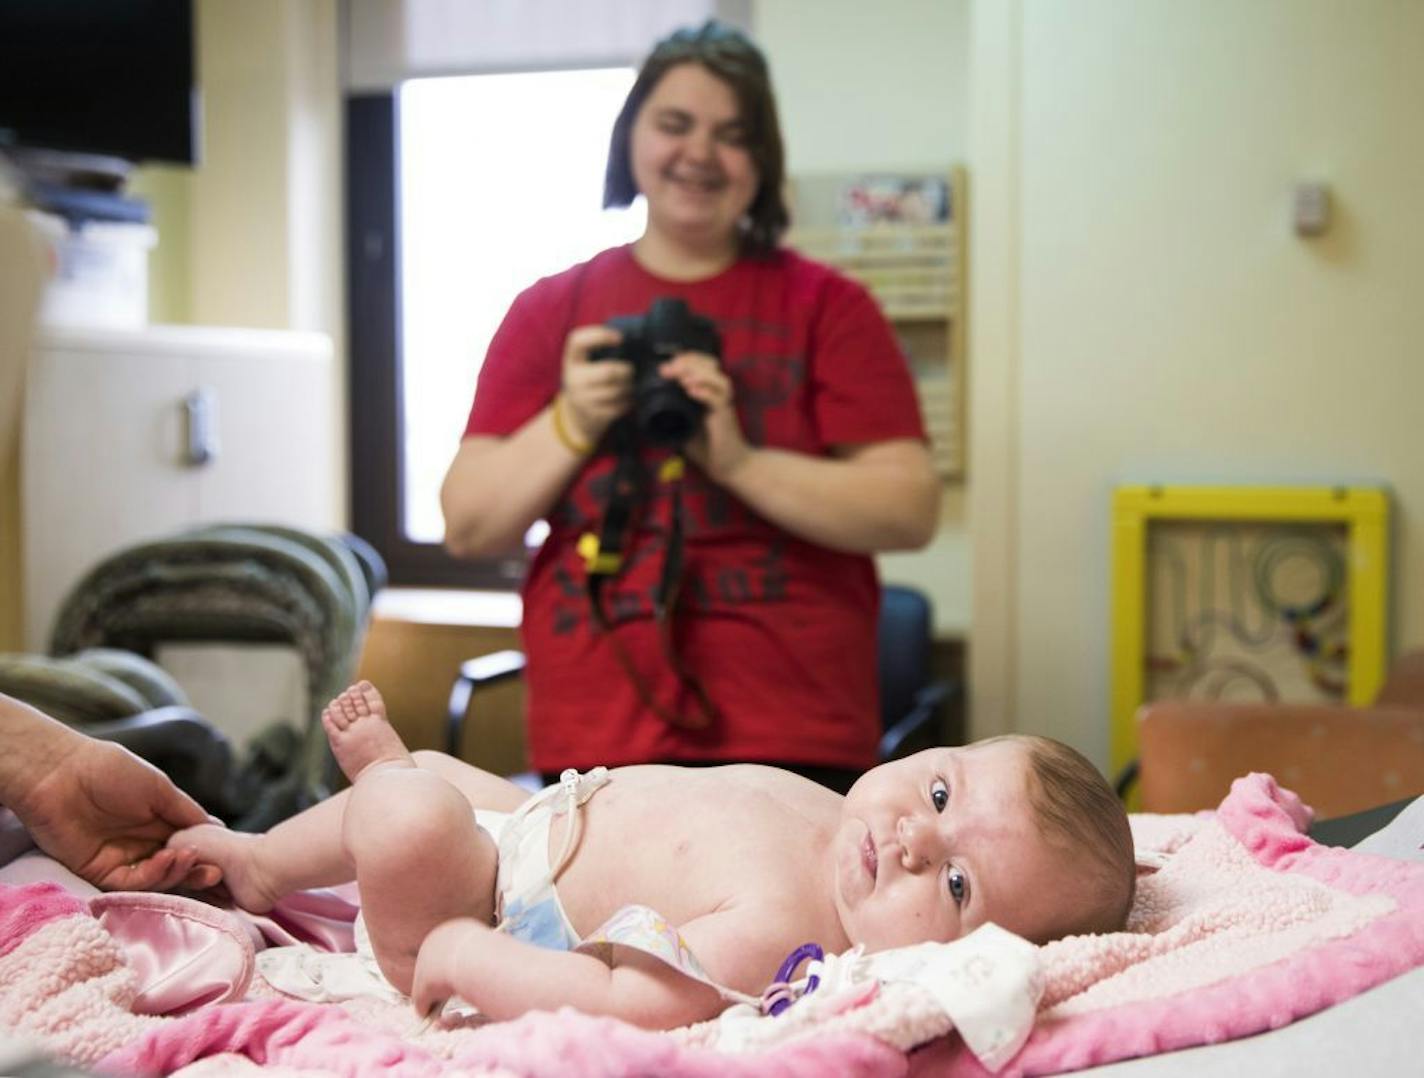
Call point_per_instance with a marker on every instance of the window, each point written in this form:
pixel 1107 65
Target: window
pixel 463 191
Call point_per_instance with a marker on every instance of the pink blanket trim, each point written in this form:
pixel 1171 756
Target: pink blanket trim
pixel 1267 823
pixel 325 1039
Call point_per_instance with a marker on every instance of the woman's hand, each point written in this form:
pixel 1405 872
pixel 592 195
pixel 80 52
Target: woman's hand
pixel 719 447
pixel 596 392
pixel 497 486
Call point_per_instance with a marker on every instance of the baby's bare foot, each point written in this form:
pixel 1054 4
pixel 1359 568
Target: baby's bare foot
pixel 361 737
pixel 235 854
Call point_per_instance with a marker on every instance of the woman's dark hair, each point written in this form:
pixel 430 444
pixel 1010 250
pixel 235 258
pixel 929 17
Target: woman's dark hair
pixel 730 55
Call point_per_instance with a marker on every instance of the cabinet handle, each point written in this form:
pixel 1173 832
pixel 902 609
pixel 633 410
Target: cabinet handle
pixel 201 410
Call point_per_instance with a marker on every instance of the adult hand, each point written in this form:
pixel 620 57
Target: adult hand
pixel 719 447
pixel 596 392
pixel 105 815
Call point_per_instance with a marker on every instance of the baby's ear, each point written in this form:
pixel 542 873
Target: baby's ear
pixel 1149 861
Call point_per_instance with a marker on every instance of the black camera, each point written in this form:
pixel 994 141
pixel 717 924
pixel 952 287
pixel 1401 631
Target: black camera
pixel 663 413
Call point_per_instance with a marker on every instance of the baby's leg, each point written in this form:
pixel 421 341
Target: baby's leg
pixel 308 850
pixel 420 860
pixel 305 850
pixel 360 734
pixel 300 852
pixel 482 789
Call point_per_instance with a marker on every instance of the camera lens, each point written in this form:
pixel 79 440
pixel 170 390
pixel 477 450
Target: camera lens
pixel 665 414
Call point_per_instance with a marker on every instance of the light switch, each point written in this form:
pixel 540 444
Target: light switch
pixel 1312 209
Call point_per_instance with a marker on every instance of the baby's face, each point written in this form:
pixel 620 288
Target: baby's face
pixel 935 845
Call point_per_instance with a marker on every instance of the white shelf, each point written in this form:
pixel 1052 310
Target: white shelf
pixel 915 270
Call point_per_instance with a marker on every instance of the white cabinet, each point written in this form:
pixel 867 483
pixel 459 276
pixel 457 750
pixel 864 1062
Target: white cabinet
pixel 106 458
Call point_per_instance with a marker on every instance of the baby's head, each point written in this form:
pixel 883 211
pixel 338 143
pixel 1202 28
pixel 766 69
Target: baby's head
pixel 1079 814
pixel 1019 831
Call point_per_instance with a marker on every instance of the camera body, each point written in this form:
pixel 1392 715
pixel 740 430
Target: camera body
pixel 663 414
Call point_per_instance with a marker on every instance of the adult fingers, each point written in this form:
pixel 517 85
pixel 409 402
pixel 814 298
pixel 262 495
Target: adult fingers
pixel 699 365
pixel 584 339
pixel 701 376
pixel 139 782
pixel 175 807
pixel 613 374
pixel 155 872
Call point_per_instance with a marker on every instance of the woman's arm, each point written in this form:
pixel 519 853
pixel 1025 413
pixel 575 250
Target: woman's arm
pixel 881 496
pixel 497 487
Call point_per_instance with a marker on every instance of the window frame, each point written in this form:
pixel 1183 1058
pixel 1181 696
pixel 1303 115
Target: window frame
pixel 376 360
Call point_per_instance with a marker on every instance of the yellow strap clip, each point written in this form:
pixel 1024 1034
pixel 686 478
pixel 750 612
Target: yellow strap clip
pixel 672 470
pixel 594 560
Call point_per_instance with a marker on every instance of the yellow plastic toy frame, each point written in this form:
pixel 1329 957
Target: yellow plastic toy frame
pixel 1365 511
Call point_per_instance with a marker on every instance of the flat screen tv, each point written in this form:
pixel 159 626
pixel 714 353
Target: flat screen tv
pixel 109 78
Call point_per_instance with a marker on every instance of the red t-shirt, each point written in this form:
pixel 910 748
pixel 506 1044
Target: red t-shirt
pixel 780 632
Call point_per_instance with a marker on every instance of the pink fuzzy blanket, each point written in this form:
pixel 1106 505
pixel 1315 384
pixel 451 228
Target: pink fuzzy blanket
pixel 1247 926
pixel 68 984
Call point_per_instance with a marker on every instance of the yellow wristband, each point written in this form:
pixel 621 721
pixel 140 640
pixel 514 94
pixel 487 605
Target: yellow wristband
pixel 577 448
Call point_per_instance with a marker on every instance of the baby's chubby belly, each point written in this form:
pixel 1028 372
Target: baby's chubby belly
pixel 690 841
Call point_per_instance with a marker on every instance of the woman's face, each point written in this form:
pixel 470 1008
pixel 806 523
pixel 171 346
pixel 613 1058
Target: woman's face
pixel 690 158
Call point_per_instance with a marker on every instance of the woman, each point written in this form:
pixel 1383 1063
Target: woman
pixel 811 456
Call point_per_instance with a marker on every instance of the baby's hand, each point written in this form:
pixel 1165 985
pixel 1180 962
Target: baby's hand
pixel 443 954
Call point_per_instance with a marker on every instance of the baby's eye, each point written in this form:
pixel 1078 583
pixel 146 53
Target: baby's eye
pixel 939 794
pixel 958 885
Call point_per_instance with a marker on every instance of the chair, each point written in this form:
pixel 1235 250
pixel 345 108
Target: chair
pixel 911 701
pixel 1339 759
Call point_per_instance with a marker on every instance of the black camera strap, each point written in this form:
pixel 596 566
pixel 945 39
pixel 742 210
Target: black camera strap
pixel 603 558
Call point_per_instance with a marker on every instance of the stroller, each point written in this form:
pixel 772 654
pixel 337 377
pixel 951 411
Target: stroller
pixel 230 583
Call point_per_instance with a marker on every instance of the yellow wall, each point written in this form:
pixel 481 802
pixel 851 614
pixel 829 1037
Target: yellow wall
pixel 23 268
pixel 168 191
pixel 1165 323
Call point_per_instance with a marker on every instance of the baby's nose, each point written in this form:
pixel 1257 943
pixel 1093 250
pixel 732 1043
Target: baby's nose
pixel 918 842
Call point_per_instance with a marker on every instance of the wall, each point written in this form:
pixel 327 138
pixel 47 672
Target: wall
pixel 882 87
pixel 253 235
pixel 870 86
pixel 23 266
pixel 1164 321
pixel 168 191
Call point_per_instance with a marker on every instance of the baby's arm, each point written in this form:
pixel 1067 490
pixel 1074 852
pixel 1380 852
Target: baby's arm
pixel 504 977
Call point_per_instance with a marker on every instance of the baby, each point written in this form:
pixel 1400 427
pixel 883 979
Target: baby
pixel 742 864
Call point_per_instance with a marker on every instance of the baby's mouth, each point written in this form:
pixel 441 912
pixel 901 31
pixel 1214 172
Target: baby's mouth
pixel 868 855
